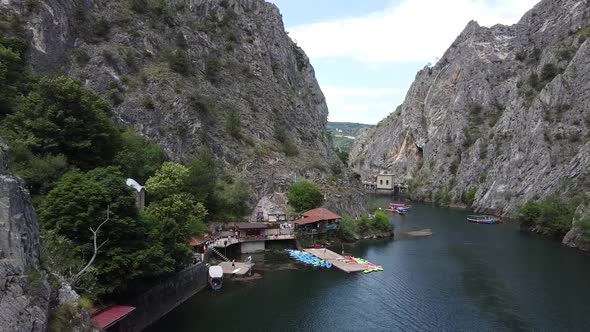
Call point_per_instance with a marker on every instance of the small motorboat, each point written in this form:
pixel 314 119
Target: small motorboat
pixel 484 219
pixel 215 277
pixel 399 210
pixel 399 205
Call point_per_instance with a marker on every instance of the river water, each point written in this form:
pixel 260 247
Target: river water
pixel 464 277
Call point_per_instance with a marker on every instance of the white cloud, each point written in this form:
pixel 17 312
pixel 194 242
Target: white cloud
pixel 365 105
pixel 406 31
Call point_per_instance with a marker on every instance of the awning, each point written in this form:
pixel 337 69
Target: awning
pixel 110 316
pixel 252 225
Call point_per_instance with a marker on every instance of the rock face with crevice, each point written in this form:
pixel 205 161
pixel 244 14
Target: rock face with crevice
pixel 190 75
pixel 24 291
pixel 502 116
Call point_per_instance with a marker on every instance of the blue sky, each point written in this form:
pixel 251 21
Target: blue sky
pixel 366 53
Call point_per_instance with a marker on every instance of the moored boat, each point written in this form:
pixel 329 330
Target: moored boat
pixel 402 205
pixel 484 219
pixel 215 277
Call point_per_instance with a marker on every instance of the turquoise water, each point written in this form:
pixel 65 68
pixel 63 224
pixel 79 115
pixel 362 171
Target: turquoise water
pixel 465 277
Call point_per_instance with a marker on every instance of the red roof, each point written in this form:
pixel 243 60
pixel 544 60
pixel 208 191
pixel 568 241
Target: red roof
pixel 110 316
pixel 317 215
pixel 252 225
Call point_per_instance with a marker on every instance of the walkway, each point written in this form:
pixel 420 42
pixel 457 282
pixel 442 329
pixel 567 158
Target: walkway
pixel 337 260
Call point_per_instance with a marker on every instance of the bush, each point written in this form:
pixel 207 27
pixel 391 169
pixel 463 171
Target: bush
pixel 81 56
pixel 468 196
pixel 179 61
pixel 348 228
pixel 138 158
pixel 552 216
pixel 381 222
pixel 101 30
pixel 139 6
pixel 233 125
pixel 343 156
pixel 202 104
pixel 280 134
pixel 304 196
pixel 290 149
pixel 213 70
pixel 443 197
pixel 549 72
pixel 39 172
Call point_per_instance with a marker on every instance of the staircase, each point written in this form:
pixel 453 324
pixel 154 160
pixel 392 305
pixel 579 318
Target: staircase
pixel 219 254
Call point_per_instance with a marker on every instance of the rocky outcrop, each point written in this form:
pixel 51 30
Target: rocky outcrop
pixel 24 291
pixel 501 119
pixel 3 156
pixel 579 235
pixel 27 302
pixel 192 75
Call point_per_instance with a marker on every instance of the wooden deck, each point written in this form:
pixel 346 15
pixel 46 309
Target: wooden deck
pixel 337 260
pixel 243 268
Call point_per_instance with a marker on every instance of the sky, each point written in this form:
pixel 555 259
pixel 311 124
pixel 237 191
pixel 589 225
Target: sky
pixel 366 52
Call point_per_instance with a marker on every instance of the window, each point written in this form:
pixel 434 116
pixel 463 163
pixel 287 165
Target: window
pixel 387 182
pixel 380 182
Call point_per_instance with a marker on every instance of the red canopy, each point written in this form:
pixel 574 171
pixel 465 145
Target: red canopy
pixel 110 316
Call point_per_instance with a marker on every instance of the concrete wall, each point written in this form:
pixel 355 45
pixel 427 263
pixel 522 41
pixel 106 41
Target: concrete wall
pixel 161 299
pixel 250 247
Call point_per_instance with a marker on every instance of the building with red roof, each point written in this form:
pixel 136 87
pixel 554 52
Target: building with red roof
pixel 109 317
pixel 318 220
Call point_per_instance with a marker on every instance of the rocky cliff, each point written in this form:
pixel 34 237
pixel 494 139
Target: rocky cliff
pixel 24 291
pixel 27 302
pixel 578 237
pixel 196 74
pixel 501 119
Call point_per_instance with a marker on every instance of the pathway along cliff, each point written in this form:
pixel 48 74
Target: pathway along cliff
pixel 464 277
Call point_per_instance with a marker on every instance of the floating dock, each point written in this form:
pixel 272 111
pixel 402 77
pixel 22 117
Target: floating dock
pixel 240 269
pixel 337 260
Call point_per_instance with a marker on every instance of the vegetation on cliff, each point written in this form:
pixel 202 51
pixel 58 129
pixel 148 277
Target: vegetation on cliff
pixel 304 196
pixel 76 160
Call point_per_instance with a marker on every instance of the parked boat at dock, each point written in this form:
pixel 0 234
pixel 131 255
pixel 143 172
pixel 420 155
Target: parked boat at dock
pixel 215 277
pixel 399 205
pixel 484 219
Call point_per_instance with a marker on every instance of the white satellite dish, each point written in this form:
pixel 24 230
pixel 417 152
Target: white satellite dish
pixel 133 184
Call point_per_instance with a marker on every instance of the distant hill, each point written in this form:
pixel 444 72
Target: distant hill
pixel 346 128
pixel 343 133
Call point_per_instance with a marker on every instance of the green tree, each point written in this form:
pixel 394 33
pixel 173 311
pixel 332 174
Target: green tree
pixel 348 229
pixel 12 71
pixel 304 195
pixel 172 221
pixel 170 179
pixel 80 201
pixel 231 200
pixel 381 222
pixel 61 116
pixel 39 172
pixel 203 177
pixel 138 159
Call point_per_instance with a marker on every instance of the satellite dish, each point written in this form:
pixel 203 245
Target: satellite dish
pixel 133 184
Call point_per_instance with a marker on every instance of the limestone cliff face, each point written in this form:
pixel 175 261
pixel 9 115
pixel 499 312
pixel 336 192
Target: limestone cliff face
pixel 195 74
pixel 504 114
pixel 24 291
